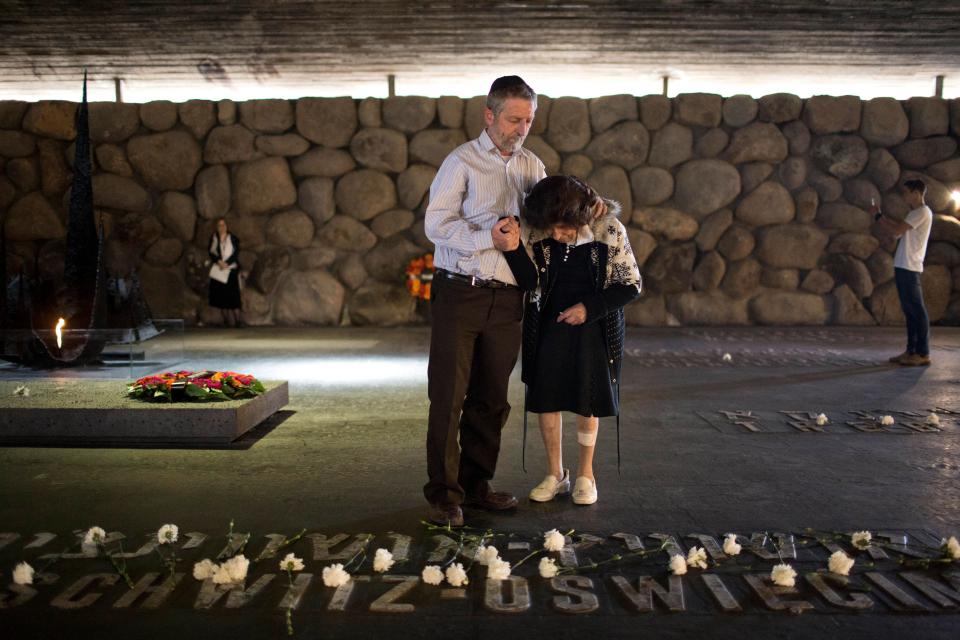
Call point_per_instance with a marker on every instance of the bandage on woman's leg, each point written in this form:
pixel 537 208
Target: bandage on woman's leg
pixel 587 428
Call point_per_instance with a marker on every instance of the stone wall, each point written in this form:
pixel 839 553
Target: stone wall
pixel 740 210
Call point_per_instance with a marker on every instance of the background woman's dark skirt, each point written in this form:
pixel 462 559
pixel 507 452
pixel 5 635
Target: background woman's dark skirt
pixel 226 295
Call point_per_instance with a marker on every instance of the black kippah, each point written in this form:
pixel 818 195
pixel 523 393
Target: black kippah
pixel 506 82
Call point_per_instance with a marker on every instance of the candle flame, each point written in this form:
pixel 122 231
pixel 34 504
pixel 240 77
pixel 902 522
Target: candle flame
pixel 955 196
pixel 60 324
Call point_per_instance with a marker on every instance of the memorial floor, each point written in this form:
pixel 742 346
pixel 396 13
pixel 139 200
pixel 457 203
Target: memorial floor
pixel 710 445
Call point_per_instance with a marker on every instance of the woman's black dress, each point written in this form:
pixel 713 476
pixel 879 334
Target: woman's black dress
pixel 571 371
pixel 225 295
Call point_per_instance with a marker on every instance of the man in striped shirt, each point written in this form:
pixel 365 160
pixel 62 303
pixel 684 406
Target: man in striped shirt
pixel 476 306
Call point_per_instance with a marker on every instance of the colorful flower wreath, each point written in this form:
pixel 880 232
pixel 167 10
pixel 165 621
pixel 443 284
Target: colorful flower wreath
pixel 189 385
pixel 420 276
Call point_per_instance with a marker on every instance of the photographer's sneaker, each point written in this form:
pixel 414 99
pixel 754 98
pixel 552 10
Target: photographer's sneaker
pixel 584 491
pixel 915 360
pixel 551 487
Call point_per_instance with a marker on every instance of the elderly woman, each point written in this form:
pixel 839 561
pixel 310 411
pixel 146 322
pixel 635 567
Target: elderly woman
pixel 224 276
pixel 578 267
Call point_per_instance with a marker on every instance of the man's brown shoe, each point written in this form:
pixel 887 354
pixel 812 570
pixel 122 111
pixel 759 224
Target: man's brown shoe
pixel 916 360
pixel 899 359
pixel 492 501
pixel 446 514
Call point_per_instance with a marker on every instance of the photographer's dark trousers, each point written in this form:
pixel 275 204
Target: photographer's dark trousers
pixel 911 301
pixel 474 343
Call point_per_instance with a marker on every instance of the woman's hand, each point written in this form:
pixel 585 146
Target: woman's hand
pixel 577 314
pixel 599 209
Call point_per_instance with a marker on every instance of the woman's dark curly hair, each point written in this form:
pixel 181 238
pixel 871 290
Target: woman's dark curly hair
pixel 559 200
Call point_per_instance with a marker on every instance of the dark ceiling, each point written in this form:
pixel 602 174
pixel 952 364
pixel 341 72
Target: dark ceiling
pixel 288 43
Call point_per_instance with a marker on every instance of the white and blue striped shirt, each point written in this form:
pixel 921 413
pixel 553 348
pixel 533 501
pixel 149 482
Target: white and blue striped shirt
pixel 475 187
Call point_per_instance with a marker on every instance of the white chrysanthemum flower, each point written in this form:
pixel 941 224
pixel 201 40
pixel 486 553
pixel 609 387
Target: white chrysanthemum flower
pixel 886 421
pixel 168 533
pixel 840 563
pixel 783 575
pixel 95 535
pixel 678 565
pixel 952 547
pixel 548 568
pixel 498 569
pixel 22 390
pixel 382 561
pixel 697 558
pixel 23 574
pixel 486 555
pixel 432 574
pixel 822 419
pixel 456 575
pixel 291 562
pixel 861 539
pixel 335 576
pixel 204 569
pixel 553 540
pixel 727 357
pixel 232 571
pixel 933 420
pixel 730 545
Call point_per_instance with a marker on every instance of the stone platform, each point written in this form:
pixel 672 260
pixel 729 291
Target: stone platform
pixel 63 412
pixel 710 446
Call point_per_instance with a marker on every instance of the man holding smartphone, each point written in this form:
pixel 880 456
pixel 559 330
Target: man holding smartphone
pixel 913 231
pixel 476 306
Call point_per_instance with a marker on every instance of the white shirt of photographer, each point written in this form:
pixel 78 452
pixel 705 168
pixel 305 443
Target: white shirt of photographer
pixel 913 244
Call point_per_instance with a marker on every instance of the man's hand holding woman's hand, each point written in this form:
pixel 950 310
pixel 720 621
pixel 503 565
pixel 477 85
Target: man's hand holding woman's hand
pixel 506 234
pixel 577 314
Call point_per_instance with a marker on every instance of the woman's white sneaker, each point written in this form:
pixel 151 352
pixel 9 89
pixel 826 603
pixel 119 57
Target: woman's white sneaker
pixel 551 487
pixel 584 491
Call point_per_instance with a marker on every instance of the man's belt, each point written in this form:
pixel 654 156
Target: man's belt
pixel 473 281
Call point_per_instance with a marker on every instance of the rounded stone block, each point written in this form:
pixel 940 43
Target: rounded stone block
pixel 381 149
pixel 791 246
pixel 651 185
pixel 263 185
pixel 322 162
pixel 828 114
pixel 159 115
pixel 841 156
pixel 665 222
pixel 698 109
pixel 51 119
pixel 739 110
pixel 167 160
pixel 569 126
pixel 434 145
pixel 703 186
pixel 311 298
pixel 315 196
pixel 779 107
pixel 672 145
pixel 364 193
pixel 330 122
pixel 655 111
pixel 286 145
pixel 610 110
pixel 414 183
pixel 232 143
pixel 758 142
pixel 409 114
pixel 612 182
pixel 292 228
pixel 770 203
pixel 198 116
pixel 117 192
pixel 267 116
pixel 33 218
pixel 212 190
pixel 382 305
pixel 113 121
pixel 884 122
pixel 548 156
